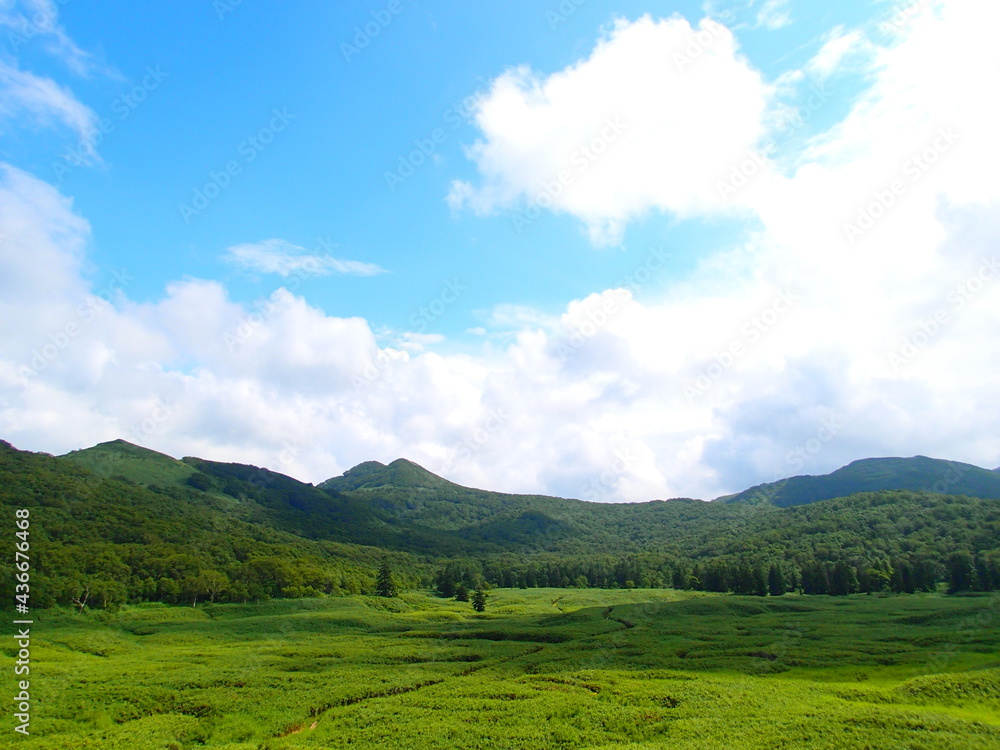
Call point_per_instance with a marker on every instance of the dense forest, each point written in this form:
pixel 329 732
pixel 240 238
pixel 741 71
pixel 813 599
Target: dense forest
pixel 119 524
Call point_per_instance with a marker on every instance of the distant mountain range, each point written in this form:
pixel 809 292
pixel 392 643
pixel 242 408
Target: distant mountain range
pixel 138 522
pixel 404 490
pixel 920 474
pixel 403 506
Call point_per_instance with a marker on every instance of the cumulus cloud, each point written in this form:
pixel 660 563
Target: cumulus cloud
pixel 808 345
pixel 279 257
pixel 627 130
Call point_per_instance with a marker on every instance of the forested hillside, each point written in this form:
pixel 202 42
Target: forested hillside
pixel 873 474
pixel 117 523
pixel 102 542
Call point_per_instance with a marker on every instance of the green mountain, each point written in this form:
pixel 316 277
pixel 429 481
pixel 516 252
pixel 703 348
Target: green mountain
pixel 112 540
pixel 919 474
pixel 124 460
pixel 128 524
pixel 405 493
pixel 372 475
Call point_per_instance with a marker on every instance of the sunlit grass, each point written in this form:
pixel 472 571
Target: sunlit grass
pixel 542 668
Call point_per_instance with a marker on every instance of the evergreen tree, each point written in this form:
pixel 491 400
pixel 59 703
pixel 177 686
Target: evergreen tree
pixel 461 592
pixel 680 579
pixel 445 583
pixel 479 600
pixel 844 580
pixel 759 581
pixel 776 581
pixel 815 579
pixel 384 585
pixel 902 577
pixel 961 572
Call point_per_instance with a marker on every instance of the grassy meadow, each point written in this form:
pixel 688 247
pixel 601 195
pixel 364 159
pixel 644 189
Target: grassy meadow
pixel 541 668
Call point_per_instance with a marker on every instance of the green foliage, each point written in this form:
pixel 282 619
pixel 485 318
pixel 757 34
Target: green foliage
pixel 543 668
pixel 385 585
pixel 301 626
pixel 230 532
pixel 121 459
pixel 918 474
pixel 100 543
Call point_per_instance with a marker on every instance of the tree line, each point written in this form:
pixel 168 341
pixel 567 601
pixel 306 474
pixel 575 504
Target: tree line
pixel 962 571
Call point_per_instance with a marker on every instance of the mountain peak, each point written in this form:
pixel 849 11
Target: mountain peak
pixel 917 473
pixel 122 446
pixel 120 458
pixel 401 473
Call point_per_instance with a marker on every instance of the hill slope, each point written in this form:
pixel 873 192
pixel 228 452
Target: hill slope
pixel 119 541
pixel 405 493
pixel 238 531
pixel 121 459
pixel 918 474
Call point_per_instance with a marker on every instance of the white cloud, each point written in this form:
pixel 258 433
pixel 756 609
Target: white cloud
pixel 628 130
pixel 838 48
pixel 774 15
pixel 29 21
pixel 24 93
pixel 771 358
pixel 285 259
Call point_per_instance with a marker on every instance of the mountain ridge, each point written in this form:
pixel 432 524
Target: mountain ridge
pixel 386 484
pixel 269 535
pixel 916 473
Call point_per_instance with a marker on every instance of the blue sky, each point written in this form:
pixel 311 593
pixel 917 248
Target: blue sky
pixel 511 242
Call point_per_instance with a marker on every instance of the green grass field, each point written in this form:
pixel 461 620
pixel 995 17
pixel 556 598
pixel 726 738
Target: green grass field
pixel 541 668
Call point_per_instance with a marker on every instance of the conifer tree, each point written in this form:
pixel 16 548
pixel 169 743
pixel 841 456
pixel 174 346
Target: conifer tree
pixel 776 581
pixel 385 586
